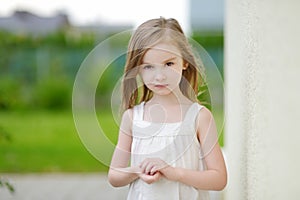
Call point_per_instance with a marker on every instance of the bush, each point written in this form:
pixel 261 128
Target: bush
pixel 9 93
pixel 53 94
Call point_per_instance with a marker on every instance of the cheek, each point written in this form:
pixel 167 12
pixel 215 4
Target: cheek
pixel 146 77
pixel 175 75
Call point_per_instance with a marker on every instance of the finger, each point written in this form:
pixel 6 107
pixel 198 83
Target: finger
pixel 156 176
pixel 154 170
pixel 149 167
pixel 143 165
pixel 147 178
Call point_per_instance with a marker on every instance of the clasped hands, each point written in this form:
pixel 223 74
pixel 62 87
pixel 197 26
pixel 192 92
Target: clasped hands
pixel 152 169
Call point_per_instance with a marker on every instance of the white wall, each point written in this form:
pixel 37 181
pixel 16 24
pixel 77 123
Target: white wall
pixel 262 85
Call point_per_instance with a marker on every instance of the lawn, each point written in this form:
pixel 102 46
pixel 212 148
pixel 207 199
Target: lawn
pixel 44 141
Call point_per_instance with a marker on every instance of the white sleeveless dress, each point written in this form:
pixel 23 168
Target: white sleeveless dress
pixel 176 144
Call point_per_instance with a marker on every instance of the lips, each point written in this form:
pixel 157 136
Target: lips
pixel 160 85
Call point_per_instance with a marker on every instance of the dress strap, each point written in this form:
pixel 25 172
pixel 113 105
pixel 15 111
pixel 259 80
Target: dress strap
pixel 138 112
pixel 192 113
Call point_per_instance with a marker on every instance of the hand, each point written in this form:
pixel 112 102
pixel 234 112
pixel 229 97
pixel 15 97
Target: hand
pixel 150 166
pixel 150 178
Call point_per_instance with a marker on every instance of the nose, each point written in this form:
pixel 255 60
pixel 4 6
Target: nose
pixel 160 75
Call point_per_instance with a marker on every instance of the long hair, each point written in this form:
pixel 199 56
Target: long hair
pixel 146 36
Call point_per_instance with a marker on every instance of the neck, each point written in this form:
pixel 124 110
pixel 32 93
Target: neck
pixel 171 99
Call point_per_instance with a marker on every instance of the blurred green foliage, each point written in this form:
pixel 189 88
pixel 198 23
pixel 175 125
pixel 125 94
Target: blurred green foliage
pixel 213 43
pixel 61 38
pixel 9 93
pixel 5 183
pixel 37 72
pixel 209 39
pixel 5 136
pixel 51 94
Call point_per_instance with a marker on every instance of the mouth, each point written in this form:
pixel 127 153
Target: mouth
pixel 160 85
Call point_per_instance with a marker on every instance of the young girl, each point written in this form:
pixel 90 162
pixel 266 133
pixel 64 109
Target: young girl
pixel 167 146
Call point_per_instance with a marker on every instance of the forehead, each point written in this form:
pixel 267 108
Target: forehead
pixel 161 52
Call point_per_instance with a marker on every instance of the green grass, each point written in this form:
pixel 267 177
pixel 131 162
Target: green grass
pixel 43 141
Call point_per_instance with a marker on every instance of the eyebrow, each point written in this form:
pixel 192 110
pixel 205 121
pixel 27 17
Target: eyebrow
pixel 165 61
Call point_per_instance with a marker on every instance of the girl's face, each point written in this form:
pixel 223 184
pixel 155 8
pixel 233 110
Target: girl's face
pixel 161 69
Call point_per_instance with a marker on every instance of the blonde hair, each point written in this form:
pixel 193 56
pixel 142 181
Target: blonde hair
pixel 145 36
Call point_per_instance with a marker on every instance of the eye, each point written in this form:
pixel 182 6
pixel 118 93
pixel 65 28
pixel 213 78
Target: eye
pixel 147 67
pixel 169 64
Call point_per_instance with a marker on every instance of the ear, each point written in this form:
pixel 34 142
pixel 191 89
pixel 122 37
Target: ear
pixel 185 65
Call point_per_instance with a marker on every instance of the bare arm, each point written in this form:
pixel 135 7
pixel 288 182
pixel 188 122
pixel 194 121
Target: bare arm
pixel 215 177
pixel 119 173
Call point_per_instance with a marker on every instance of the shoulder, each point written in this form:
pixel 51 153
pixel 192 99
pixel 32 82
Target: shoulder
pixel 126 121
pixel 204 113
pixel 127 115
pixel 204 121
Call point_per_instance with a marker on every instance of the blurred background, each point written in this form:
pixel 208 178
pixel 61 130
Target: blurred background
pixel 42 45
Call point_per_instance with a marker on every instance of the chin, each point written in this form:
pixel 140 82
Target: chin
pixel 162 93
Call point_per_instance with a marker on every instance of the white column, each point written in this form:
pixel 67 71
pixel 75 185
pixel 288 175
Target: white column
pixel 262 84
